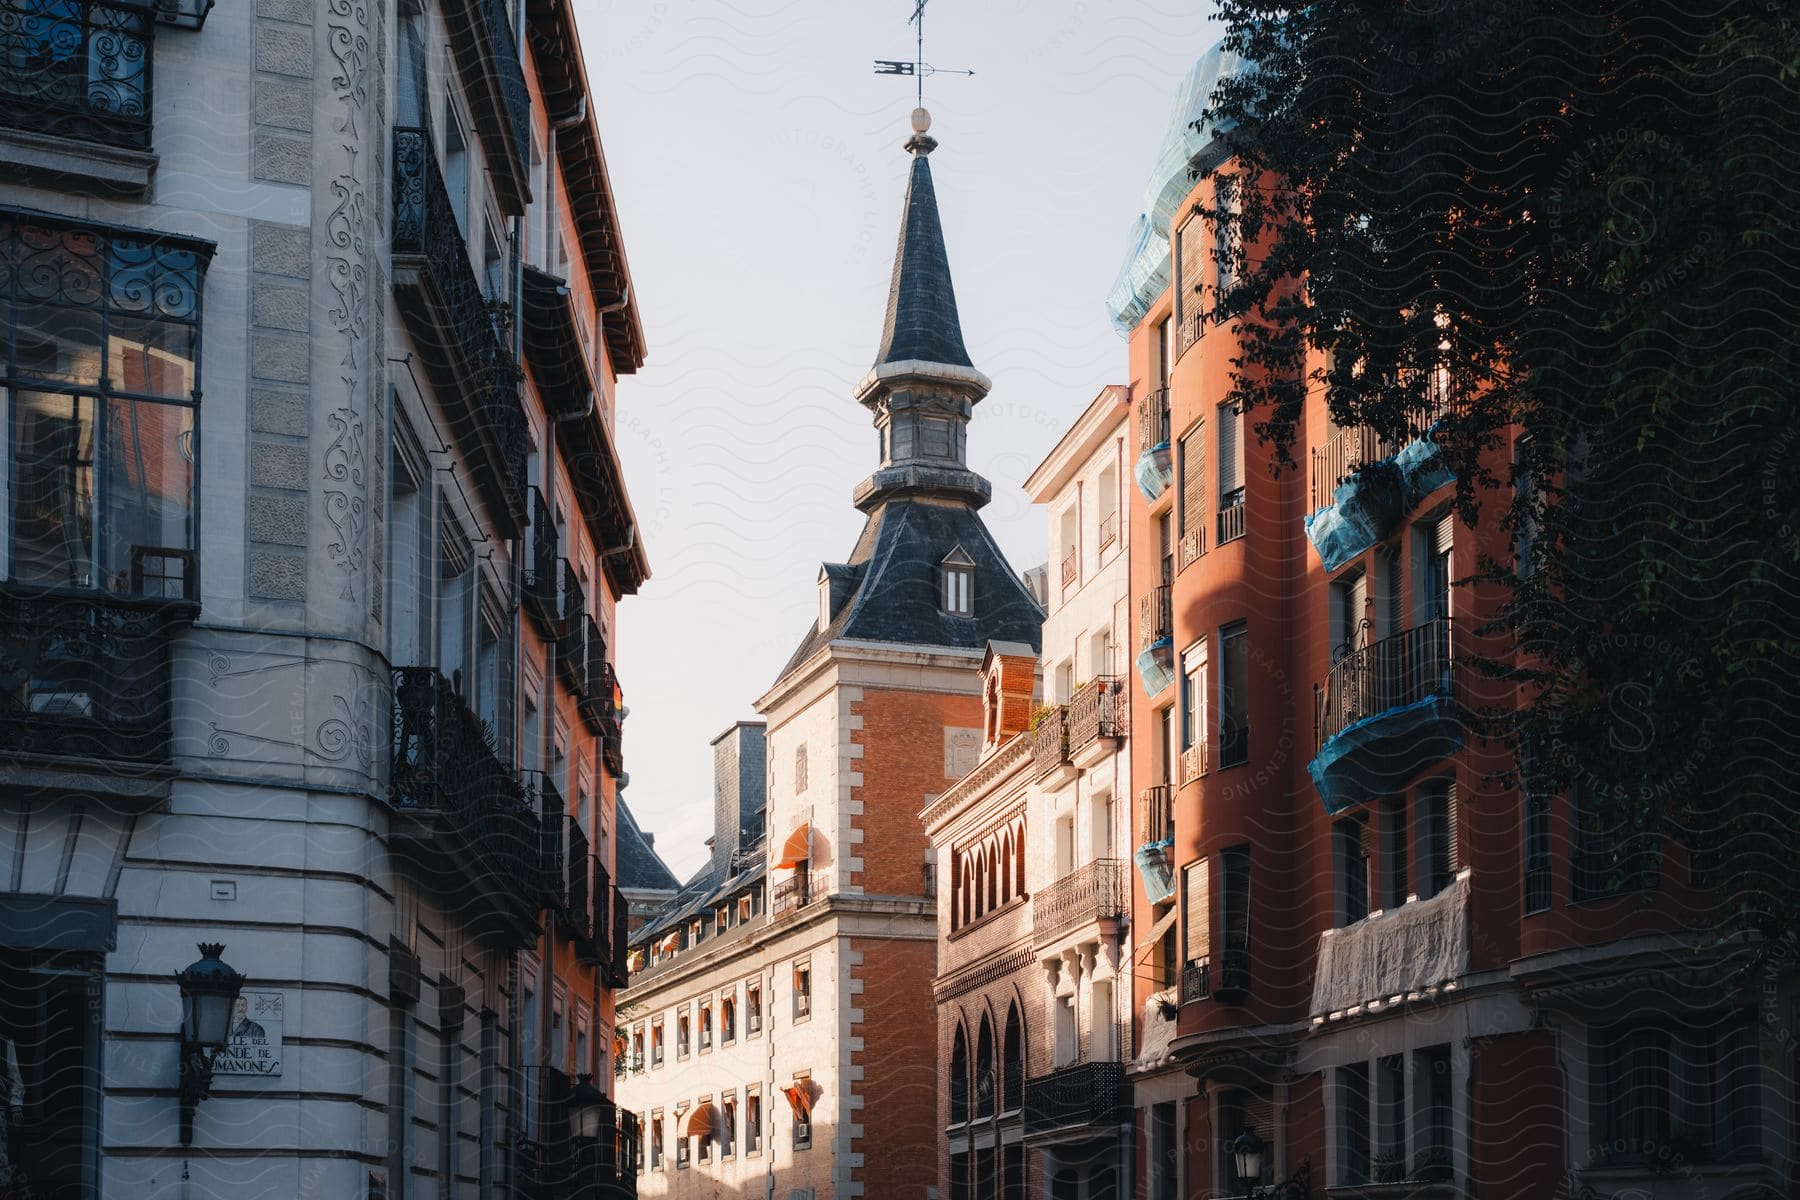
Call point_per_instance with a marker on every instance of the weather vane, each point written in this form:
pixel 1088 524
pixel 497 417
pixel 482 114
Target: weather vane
pixel 918 68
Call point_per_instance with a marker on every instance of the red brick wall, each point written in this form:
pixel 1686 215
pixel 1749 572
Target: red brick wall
pixel 1516 1092
pixel 899 1088
pixel 903 762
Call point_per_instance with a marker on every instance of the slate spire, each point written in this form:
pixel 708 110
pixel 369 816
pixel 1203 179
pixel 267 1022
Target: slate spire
pixel 923 388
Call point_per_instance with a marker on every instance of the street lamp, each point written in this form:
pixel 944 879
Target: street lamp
pixel 587 1106
pixel 1247 1148
pixel 209 991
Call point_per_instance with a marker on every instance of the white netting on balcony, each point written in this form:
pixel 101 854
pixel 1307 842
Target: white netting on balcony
pixel 1407 952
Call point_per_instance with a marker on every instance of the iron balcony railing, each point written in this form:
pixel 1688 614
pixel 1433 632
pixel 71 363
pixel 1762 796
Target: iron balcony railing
pixel 1338 459
pixel 792 894
pixel 1156 615
pixel 1156 814
pixel 620 966
pixel 1050 740
pixel 1109 529
pixel 1231 516
pixel 78 69
pixel 1086 1095
pixel 1196 980
pixel 1153 420
pixel 1069 566
pixel 597 948
pixel 503 71
pixel 554 1163
pixel 86 676
pixel 443 763
pixel 1096 892
pixel 571 643
pixel 545 799
pixel 578 881
pixel 1391 673
pixel 596 678
pixel 612 730
pixel 543 577
pixel 426 227
pixel 1097 711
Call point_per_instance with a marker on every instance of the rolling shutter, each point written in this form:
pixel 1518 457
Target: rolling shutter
pixel 1193 478
pixel 1196 904
pixel 1231 450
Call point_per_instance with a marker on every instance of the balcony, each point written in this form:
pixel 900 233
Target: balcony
pixel 793 894
pixel 487 52
pixel 1071 566
pixel 542 794
pixel 456 800
pixel 553 1164
pixel 1088 896
pixel 597 948
pixel 1155 470
pixel 1156 639
pixel 597 682
pixel 464 341
pixel 1414 950
pixel 79 70
pixel 543 566
pixel 1109 530
pixel 1096 719
pixel 1155 853
pixel 1385 711
pixel 577 914
pixel 1080 1100
pixel 85 688
pixel 571 642
pixel 1050 745
pixel 618 973
pixel 1196 980
pixel 1192 547
pixel 1362 486
pixel 1231 516
pixel 1192 763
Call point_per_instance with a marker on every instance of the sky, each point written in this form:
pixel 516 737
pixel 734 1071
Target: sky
pixel 757 167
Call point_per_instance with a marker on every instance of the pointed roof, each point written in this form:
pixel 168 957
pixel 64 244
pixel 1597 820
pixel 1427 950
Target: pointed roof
pixel 636 863
pixel 921 325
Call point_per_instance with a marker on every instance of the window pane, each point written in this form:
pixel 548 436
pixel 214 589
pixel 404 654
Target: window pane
pixel 151 358
pixel 52 537
pixel 146 487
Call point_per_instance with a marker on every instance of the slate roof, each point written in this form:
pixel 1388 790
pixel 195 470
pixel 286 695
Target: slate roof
pixel 639 867
pixel 897 593
pixel 921 312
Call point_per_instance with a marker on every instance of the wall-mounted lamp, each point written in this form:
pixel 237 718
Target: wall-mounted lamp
pixel 209 991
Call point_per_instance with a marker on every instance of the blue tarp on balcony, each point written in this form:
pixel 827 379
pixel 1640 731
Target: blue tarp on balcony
pixel 1157 870
pixel 1372 501
pixel 1154 472
pixel 1156 665
pixel 1380 753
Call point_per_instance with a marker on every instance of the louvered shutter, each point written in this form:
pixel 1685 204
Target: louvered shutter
pixel 1196 912
pixel 1193 478
pixel 1231 450
pixel 1451 822
pixel 1443 533
pixel 1190 274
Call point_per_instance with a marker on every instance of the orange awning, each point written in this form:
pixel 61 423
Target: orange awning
pixel 671 943
pixel 700 1122
pixel 798 848
pixel 800 1098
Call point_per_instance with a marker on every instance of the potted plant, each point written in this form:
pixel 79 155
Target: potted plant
pixel 1388 1168
pixel 1433 1166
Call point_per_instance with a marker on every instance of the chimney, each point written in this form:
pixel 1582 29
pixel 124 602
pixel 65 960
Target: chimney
pixel 1008 682
pixel 740 790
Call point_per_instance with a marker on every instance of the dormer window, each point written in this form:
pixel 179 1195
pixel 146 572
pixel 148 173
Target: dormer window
pixel 957 572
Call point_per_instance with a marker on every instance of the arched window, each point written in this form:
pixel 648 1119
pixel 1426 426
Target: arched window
pixel 1012 1059
pixel 984 1071
pixel 1019 859
pixel 993 863
pixel 959 1079
pixel 1005 868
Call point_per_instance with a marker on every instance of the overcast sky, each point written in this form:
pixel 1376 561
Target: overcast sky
pixel 758 168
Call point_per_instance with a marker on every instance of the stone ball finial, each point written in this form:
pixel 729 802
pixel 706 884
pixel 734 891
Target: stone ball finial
pixel 921 120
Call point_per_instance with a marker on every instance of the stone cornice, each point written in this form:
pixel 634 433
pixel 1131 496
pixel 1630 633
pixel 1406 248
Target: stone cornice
pixel 1008 757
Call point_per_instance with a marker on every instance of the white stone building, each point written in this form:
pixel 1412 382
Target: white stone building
pixel 313 531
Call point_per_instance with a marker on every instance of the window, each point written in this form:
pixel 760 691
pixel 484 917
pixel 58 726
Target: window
pixel 959 1079
pixel 656 1143
pixel 1162 347
pixel 727 1021
pixel 1190 309
pixel 1193 711
pixel 1069 547
pixel 1353 1124
pixel 1165 1153
pixel 1192 468
pixel 721 918
pixel 984 1071
pixel 409 539
pixel 1688 1090
pixel 50 1009
pixel 1107 528
pixel 78 71
pixel 1389 1165
pixel 1608 855
pixel 1227 245
pixel 1538 885
pixel 1435 539
pixel 752 1122
pixel 456 166
pixel 728 1126
pixel 802 991
pixel 1196 930
pixel 958 575
pixel 1433 1082
pixel 98 392
pixel 1351 863
pixel 683 1035
pixel 455 623
pixel 799 768
pixel 1012 1063
pixel 683 1144
pixel 1350 624
pixel 753 1008
pixel 1234 924
pixel 656 1043
pixel 1394 836
pixel 1234 700
pixel 1436 821
pixel 800 1101
pixel 1231 473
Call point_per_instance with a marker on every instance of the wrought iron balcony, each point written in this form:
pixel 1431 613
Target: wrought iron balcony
pixel 1231 516
pixel 1081 1099
pixel 1396 671
pixel 1338 459
pixel 620 968
pixel 1156 615
pixel 1070 566
pixel 571 642
pixel 596 688
pixel 1096 712
pixel 1196 980
pixel 467 342
pixel 792 894
pixel 597 946
pixel 78 69
pixel 545 799
pixel 1153 420
pixel 1050 740
pixel 577 915
pixel 1156 814
pixel 1096 892
pixel 543 574
pixel 86 676
pixel 1109 529
pixel 554 1164
pixel 461 800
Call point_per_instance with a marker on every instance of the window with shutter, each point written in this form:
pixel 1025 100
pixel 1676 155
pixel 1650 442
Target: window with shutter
pixel 1193 494
pixel 1196 912
pixel 1234 970
pixel 1190 274
pixel 1231 451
